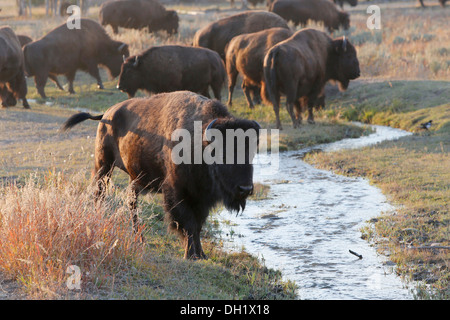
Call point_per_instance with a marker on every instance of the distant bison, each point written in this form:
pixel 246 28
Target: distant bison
pixel 442 2
pixel 216 35
pixel 64 51
pixel 173 68
pixel 138 14
pixel 13 85
pixel 352 3
pixel 300 11
pixel 137 136
pixel 245 55
pixel 300 66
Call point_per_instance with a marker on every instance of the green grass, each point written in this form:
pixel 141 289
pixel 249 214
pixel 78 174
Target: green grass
pixel 414 172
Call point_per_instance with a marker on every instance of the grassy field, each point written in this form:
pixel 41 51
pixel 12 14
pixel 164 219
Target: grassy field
pixel 405 70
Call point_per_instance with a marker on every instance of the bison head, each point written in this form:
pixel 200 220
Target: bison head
pixel 171 21
pixel 130 79
pixel 234 173
pixel 114 57
pixel 346 64
pixel 344 20
pixel 7 97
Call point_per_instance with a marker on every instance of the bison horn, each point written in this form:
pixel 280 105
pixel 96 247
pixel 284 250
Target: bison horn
pixel 124 58
pixel 209 127
pixel 121 47
pixel 344 44
pixel 136 62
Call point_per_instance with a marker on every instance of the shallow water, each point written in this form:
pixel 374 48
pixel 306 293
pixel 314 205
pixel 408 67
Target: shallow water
pixel 310 222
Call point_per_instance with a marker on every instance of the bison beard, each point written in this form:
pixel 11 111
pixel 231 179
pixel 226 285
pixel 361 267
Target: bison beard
pixel 136 136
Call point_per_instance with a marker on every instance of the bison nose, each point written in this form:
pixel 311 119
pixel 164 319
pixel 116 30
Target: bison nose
pixel 245 191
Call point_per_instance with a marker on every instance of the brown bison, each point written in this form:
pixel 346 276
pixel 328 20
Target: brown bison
pixel 442 2
pixel 64 51
pixel 300 66
pixel 13 84
pixel 216 35
pixel 173 68
pixel 245 55
pixel 138 136
pixel 300 11
pixel 138 14
pixel 352 3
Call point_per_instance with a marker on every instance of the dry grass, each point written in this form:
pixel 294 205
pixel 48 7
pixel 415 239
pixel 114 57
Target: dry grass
pixel 48 225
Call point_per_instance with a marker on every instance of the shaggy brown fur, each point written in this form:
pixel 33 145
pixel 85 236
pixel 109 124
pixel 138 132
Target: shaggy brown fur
pixel 13 85
pixel 300 66
pixel 172 68
pixel 245 55
pixel 216 35
pixel 300 11
pixel 64 51
pixel 136 136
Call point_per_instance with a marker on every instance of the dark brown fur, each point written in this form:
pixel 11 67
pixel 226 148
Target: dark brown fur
pixel 352 3
pixel 300 11
pixel 173 68
pixel 245 55
pixel 216 35
pixel 13 85
pixel 442 3
pixel 64 51
pixel 138 14
pixel 300 66
pixel 135 136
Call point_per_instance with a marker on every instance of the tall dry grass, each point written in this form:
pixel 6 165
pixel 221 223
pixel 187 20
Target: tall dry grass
pixel 46 226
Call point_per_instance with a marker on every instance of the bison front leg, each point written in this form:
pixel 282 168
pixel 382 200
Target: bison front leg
pixel 93 71
pixel 40 81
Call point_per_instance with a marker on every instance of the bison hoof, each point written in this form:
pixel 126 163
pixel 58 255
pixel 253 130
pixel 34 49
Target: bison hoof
pixel 311 121
pixel 100 86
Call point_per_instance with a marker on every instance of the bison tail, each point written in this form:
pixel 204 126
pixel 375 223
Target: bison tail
pixel 77 118
pixel 270 77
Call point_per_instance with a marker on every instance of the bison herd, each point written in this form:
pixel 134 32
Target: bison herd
pixel 135 135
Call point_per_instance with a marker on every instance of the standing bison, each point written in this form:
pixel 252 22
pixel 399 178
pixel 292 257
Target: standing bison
pixel 216 35
pixel 137 136
pixel 442 2
pixel 64 51
pixel 245 55
pixel 13 85
pixel 138 14
pixel 173 68
pixel 300 11
pixel 300 66
pixel 352 3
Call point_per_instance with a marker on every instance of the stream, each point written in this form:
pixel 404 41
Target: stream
pixel 310 221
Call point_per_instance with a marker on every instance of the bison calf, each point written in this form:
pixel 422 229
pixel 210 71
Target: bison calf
pixel 137 136
pixel 173 68
pixel 300 66
pixel 64 51
pixel 13 85
pixel 245 55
